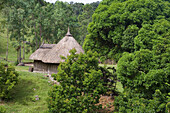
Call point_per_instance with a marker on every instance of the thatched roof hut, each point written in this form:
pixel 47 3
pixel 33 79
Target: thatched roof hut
pixel 41 52
pixel 62 49
pixel 47 57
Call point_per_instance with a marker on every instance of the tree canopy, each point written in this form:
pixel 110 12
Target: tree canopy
pixel 36 22
pixel 136 34
pixel 80 84
pixel 118 25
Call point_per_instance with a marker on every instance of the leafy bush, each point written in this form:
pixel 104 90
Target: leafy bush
pixel 145 73
pixel 2 109
pixel 145 77
pixel 8 79
pixel 127 25
pixel 80 87
pixel 131 102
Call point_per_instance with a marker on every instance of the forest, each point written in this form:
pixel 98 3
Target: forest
pixel 126 59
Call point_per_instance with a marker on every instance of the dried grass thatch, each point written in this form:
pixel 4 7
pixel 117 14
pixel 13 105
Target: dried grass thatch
pixel 42 51
pixel 62 49
pixel 50 53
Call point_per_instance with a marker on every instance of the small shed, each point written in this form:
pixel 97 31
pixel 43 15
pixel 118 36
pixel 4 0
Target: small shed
pixel 47 57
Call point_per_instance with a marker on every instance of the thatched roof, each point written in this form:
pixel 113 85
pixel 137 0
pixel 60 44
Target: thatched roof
pixel 61 49
pixel 42 51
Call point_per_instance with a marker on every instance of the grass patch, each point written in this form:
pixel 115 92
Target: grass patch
pixel 24 94
pixel 22 68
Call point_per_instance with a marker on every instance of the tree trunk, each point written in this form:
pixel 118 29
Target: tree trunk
pixel 23 51
pixel 36 36
pixel 36 39
pixel 7 44
pixel 40 35
pixel 17 55
pixel 19 58
pixel 20 54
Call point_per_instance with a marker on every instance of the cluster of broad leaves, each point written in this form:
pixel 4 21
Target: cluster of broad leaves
pixel 126 26
pixel 80 85
pixel 8 79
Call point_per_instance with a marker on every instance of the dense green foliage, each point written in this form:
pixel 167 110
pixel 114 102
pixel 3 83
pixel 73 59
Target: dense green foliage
pixel 30 23
pixel 8 79
pixel 132 102
pixel 122 25
pixel 85 18
pixel 2 4
pixel 80 84
pixel 141 67
pixel 145 76
pixel 141 29
pixel 2 109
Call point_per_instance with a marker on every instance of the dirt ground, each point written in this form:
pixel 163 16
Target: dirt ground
pixel 107 104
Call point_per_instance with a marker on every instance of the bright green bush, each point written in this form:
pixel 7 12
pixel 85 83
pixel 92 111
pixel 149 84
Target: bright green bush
pixel 127 25
pixel 2 109
pixel 145 78
pixel 145 73
pixel 80 87
pixel 132 102
pixel 8 79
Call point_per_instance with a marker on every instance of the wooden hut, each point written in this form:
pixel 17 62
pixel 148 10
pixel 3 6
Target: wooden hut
pixel 47 57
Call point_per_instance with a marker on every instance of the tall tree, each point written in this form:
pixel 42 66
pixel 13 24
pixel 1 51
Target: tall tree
pixel 84 19
pixel 63 18
pixel 6 13
pixel 115 24
pixel 77 8
pixel 17 25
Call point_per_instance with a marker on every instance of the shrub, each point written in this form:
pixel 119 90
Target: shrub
pixel 133 102
pixel 8 79
pixel 127 25
pixel 145 82
pixel 81 85
pixel 2 109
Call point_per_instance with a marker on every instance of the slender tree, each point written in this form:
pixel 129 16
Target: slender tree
pixel 17 25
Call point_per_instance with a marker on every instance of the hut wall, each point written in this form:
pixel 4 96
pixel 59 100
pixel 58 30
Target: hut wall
pixel 52 68
pixel 41 67
pixel 38 66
